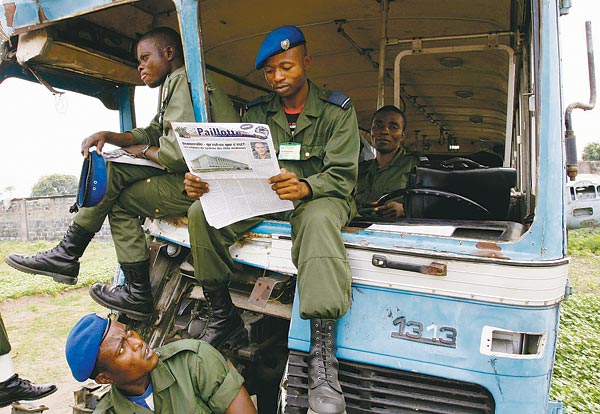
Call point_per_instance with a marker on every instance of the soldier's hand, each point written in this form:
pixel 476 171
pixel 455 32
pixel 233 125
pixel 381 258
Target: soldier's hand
pixel 288 186
pixel 194 186
pixel 95 140
pixel 391 209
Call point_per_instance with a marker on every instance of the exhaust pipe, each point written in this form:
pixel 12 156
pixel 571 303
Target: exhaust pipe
pixel 570 139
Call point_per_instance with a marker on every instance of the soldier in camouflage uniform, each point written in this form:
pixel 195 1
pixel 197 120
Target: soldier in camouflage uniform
pixel 315 134
pixel 135 191
pixel 185 376
pixel 389 170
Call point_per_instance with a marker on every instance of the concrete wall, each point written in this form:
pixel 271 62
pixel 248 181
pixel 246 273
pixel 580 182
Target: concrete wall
pixel 589 167
pixel 39 218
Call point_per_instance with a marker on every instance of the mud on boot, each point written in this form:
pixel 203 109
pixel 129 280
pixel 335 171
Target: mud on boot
pixel 61 263
pixel 325 394
pixel 134 298
pixel 224 327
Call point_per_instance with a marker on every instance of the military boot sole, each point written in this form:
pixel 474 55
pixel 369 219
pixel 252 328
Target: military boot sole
pixel 58 277
pixel 131 314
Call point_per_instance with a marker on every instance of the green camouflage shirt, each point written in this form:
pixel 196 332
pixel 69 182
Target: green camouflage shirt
pixel 191 377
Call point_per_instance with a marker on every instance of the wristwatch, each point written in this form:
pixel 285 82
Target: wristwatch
pixel 143 152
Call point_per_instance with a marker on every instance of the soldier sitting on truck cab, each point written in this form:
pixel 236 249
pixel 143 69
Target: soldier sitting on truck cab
pixel 186 376
pixel 135 191
pixel 316 134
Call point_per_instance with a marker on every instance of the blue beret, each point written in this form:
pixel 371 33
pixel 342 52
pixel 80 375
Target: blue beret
pixel 83 344
pixel 92 181
pixel 279 40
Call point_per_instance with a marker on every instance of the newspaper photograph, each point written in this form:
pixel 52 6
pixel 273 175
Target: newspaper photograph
pixel 236 160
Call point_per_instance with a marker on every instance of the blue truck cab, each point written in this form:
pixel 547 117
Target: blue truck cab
pixel 455 307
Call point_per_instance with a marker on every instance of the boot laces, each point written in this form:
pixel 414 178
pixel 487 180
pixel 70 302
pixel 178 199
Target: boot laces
pixel 325 344
pixel 55 248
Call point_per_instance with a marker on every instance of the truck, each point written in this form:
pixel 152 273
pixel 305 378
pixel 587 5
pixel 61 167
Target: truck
pixel 455 307
pixel 583 196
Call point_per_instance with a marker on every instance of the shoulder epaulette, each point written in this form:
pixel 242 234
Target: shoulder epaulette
pixel 339 99
pixel 257 101
pixel 175 347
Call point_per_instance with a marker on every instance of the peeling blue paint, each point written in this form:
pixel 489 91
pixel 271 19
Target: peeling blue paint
pixel 59 9
pixel 4 28
pixel 187 12
pixel 28 12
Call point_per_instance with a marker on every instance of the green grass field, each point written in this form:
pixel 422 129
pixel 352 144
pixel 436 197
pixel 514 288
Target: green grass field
pixel 98 264
pixel 576 379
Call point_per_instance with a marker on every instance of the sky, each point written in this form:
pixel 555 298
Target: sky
pixel 42 133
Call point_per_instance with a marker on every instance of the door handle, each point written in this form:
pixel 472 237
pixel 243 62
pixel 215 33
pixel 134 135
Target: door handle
pixel 433 269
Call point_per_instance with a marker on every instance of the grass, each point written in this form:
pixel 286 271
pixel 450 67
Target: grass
pixel 38 331
pixel 46 310
pixel 584 242
pixel 576 377
pixel 98 264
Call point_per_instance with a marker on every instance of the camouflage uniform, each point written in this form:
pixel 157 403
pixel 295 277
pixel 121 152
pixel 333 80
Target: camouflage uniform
pixel 327 130
pixel 375 181
pixel 191 377
pixel 135 190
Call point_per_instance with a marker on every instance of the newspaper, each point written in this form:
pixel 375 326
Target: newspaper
pixel 236 160
pixel 122 156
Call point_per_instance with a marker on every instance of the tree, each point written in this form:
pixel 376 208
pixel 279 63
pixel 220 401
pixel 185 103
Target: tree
pixel 55 184
pixel 591 152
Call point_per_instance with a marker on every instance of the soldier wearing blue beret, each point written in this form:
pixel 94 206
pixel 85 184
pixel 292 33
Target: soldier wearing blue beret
pixel 186 376
pixel 135 191
pixel 315 132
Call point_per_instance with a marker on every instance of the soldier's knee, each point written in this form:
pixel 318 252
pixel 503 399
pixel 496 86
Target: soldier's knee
pixel 196 214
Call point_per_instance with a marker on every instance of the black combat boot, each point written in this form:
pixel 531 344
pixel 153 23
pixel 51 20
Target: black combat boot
pixel 134 298
pixel 325 394
pixel 223 321
pixel 61 263
pixel 16 389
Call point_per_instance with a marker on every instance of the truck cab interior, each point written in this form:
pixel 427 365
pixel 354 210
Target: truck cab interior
pixel 453 73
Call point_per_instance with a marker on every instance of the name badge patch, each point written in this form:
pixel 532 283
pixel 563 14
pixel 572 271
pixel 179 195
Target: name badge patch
pixel 289 151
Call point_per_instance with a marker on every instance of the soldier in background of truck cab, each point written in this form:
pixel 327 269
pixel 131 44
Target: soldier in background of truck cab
pixel 389 170
pixel 315 132
pixel 135 191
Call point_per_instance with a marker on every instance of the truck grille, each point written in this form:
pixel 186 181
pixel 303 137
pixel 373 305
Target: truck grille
pixel 372 389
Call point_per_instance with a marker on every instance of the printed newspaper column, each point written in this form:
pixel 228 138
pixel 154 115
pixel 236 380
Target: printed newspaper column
pixel 236 160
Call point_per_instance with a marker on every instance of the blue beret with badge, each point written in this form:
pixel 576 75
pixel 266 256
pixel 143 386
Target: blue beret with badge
pixel 92 182
pixel 83 344
pixel 279 40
